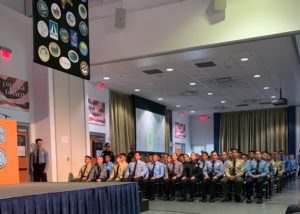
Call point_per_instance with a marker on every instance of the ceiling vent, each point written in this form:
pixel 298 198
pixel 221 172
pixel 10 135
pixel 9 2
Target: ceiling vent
pixel 265 103
pixel 219 108
pixel 153 71
pixel 242 105
pixel 250 101
pixel 190 93
pixel 205 64
pixel 223 80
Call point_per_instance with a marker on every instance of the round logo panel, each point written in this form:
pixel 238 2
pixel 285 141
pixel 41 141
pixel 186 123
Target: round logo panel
pixel 65 63
pixel 84 68
pixel 83 48
pixel 2 135
pixel 43 53
pixel 43 29
pixel 55 10
pixel 42 8
pixel 54 49
pixel 71 19
pixel 83 28
pixel 64 35
pixel 82 11
pixel 3 159
pixel 73 56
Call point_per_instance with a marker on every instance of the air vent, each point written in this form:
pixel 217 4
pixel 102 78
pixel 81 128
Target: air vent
pixel 250 101
pixel 219 108
pixel 265 103
pixel 190 93
pixel 242 105
pixel 153 71
pixel 223 79
pixel 205 64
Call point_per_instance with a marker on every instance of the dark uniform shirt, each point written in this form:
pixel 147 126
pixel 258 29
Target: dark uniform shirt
pixel 110 153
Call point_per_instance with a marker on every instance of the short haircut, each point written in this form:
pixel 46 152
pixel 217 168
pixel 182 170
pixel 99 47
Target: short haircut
pixel 234 149
pixel 251 151
pixel 89 157
pixel 214 152
pixel 204 153
pixel 263 152
pixel 38 139
pixel 122 154
pixel 99 156
pixel 136 152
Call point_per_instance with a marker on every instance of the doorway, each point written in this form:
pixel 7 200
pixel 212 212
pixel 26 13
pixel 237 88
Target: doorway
pixel 97 143
pixel 23 133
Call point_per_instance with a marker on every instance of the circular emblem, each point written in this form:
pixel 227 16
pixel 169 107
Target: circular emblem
pixel 65 63
pixel 82 11
pixel 2 135
pixel 73 56
pixel 55 10
pixel 43 29
pixel 84 68
pixel 64 35
pixel 42 8
pixel 54 49
pixel 83 48
pixel 83 28
pixel 3 159
pixel 71 19
pixel 43 53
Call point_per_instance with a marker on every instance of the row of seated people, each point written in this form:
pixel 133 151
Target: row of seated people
pixel 230 169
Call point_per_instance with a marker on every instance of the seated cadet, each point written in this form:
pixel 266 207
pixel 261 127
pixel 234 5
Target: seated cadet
pixel 181 158
pixel 155 173
pixel 278 169
pixel 84 171
pixel 224 157
pixel 175 170
pixel 234 171
pixel 257 172
pixel 117 174
pixel 213 172
pixel 191 174
pixel 99 171
pixel 229 155
pixel 136 170
pixel 108 165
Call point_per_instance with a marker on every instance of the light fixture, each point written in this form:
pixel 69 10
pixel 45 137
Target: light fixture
pixel 223 101
pixel 192 112
pixel 170 69
pixel 6 52
pixel 106 78
pixel 137 90
pixel 178 106
pixel 273 97
pixel 245 59
pixel 257 76
pixel 193 83
pixel 210 93
pixel 267 87
pixel 160 99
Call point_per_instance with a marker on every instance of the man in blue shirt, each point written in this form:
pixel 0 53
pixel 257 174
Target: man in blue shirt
pixel 257 171
pixel 108 165
pixel 155 173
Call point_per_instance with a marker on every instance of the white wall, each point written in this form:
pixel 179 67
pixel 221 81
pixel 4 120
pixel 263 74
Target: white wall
pixel 92 91
pixel 202 133
pixel 176 117
pixel 16 34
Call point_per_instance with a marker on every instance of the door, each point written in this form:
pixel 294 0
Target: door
pixel 97 142
pixel 23 152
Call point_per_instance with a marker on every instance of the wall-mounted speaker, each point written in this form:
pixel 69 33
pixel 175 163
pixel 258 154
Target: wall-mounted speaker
pixel 220 4
pixel 120 19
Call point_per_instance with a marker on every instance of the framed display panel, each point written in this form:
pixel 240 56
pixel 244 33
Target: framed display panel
pixel 61 36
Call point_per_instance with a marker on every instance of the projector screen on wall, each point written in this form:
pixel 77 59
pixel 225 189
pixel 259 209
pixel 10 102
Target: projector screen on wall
pixel 150 131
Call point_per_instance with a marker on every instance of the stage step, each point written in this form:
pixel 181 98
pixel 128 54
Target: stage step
pixel 144 206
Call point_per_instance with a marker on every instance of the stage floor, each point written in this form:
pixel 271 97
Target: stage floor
pixel 27 189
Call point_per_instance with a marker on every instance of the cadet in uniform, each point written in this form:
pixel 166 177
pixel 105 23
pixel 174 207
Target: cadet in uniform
pixel 39 162
pixel 117 174
pixel 98 172
pixel 84 171
pixel 278 169
pixel 257 172
pixel 234 171
pixel 213 172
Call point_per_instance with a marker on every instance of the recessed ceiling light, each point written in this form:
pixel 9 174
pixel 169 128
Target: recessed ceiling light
pixel 223 101
pixel 160 99
pixel 106 78
pixel 266 88
pixel 170 69
pixel 193 83
pixel 257 76
pixel 273 97
pixel 178 106
pixel 192 112
pixel 244 59
pixel 210 93
pixel 137 90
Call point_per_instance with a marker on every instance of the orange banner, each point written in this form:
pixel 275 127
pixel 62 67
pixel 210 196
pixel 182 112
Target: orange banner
pixel 9 166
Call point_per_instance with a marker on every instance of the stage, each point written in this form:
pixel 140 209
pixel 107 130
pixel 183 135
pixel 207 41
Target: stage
pixel 81 198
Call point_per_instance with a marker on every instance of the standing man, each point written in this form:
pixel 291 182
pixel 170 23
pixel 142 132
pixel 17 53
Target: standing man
pixel 257 172
pixel 234 171
pixel 213 172
pixel 136 170
pixel 107 151
pixel 39 162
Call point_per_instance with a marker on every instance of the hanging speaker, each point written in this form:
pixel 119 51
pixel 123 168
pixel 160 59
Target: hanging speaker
pixel 120 18
pixel 220 4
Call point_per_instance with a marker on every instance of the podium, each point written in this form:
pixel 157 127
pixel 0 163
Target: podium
pixel 9 166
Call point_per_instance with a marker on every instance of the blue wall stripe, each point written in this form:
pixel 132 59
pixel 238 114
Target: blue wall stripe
pixel 217 117
pixel 292 130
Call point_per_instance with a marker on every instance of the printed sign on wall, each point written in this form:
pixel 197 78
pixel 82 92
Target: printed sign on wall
pixel 96 112
pixel 180 130
pixel 61 39
pixel 14 93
